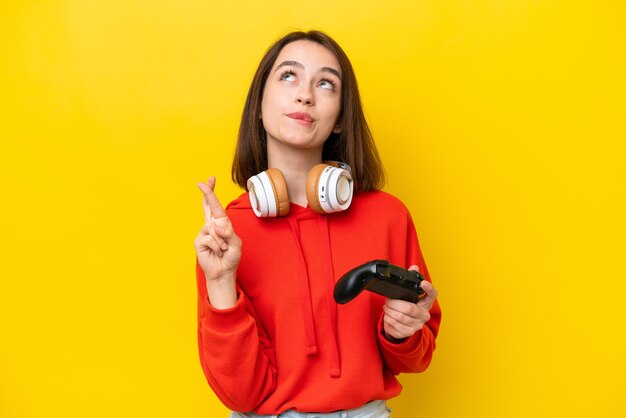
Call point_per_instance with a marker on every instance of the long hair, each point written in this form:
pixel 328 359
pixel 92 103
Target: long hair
pixel 353 145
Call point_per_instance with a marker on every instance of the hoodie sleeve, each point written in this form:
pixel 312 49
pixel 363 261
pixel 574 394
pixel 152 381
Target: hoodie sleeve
pixel 235 353
pixel 413 354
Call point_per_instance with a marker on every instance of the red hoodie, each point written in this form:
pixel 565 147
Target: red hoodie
pixel 286 344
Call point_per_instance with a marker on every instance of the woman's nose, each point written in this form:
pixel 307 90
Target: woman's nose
pixel 305 95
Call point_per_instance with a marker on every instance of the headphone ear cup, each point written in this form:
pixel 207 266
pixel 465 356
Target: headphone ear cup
pixel 329 188
pixel 280 191
pixel 268 194
pixel 312 185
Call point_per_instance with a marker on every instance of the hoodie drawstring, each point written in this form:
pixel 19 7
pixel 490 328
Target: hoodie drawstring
pixel 335 366
pixel 305 293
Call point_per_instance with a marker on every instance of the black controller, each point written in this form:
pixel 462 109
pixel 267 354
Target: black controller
pixel 381 277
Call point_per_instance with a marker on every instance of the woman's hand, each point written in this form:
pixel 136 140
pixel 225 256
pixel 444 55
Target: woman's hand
pixel 403 319
pixel 218 248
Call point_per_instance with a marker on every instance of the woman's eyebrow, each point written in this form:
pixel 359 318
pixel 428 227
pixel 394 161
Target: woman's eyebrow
pixel 291 63
pixel 298 65
pixel 331 70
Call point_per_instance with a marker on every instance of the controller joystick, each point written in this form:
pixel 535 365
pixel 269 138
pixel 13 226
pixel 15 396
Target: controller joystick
pixel 379 276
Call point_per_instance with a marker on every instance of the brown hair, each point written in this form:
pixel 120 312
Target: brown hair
pixel 354 144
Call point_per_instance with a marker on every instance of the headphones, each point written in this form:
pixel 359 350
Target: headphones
pixel 329 188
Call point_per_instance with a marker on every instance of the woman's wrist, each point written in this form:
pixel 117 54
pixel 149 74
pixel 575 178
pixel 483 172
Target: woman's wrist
pixel 222 292
pixel 393 340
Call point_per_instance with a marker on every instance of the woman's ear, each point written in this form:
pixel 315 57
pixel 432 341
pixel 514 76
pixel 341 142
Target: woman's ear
pixel 337 128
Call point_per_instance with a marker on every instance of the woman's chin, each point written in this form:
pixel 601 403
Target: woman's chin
pixel 302 143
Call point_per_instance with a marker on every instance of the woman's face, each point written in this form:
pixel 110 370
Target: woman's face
pixel 302 96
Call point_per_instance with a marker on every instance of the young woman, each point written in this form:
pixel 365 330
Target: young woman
pixel 272 340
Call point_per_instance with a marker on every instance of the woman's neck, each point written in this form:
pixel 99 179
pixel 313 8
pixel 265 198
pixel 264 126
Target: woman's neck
pixel 295 164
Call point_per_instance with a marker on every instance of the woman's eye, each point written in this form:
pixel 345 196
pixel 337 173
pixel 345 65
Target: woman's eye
pixel 327 85
pixel 287 76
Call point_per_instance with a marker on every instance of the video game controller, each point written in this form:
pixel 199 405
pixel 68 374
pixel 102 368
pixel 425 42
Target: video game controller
pixel 379 276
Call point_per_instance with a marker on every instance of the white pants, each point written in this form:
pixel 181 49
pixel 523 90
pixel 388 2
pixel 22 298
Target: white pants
pixel 374 409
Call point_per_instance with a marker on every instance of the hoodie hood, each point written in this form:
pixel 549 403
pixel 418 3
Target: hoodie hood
pixel 242 202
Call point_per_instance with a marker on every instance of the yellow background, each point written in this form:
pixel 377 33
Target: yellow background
pixel 501 125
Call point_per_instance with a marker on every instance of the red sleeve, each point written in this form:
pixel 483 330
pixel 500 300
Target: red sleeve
pixel 235 353
pixel 413 354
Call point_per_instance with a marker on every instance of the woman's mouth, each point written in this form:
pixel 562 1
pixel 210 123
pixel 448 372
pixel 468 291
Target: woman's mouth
pixel 302 118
